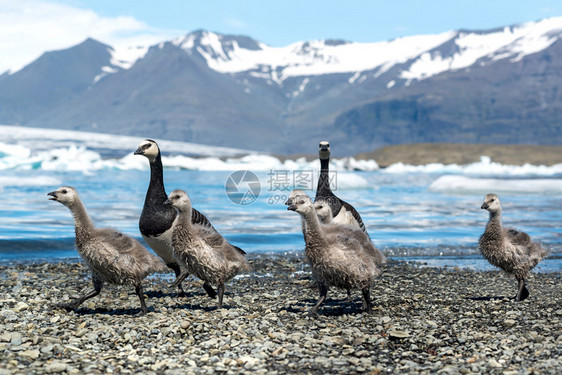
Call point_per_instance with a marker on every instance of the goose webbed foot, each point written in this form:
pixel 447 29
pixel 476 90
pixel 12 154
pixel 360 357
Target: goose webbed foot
pixel 75 303
pixel 323 289
pixel 69 306
pixel 181 293
pixel 313 312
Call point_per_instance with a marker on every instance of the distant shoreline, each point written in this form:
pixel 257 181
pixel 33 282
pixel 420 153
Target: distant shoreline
pixel 452 153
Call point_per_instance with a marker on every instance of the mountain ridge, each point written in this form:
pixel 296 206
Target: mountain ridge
pixel 231 90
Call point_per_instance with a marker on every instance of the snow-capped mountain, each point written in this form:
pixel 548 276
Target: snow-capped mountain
pixel 234 91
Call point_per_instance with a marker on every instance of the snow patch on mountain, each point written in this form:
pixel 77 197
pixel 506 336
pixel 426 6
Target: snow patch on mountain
pixel 310 58
pixel 509 42
pixel 125 57
pixel 424 55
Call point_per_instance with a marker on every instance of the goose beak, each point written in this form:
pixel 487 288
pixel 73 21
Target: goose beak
pixel 484 206
pixel 292 207
pixel 168 202
pixel 289 202
pixel 53 195
pixel 139 151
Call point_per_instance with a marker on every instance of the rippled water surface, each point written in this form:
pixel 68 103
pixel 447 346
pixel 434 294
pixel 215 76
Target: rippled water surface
pixel 404 215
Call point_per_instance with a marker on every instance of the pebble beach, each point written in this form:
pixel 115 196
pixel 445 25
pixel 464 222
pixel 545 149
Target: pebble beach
pixel 425 320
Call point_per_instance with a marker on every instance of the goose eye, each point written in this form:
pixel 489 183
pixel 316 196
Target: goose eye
pixel 64 191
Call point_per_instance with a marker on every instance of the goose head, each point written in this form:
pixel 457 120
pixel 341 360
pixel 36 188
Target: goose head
pixel 324 150
pixel 323 211
pixel 179 200
pixel 65 195
pixel 149 149
pixel 301 204
pixel 293 195
pixel 491 203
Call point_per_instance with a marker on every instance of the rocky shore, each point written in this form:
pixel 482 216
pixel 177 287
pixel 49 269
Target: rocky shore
pixel 426 320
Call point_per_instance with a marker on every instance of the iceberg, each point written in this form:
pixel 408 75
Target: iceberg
pixel 463 184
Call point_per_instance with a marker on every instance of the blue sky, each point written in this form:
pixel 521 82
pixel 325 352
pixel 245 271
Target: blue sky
pixel 280 23
pixel 30 27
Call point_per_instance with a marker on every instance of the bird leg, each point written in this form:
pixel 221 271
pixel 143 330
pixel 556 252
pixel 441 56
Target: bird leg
pixel 367 307
pixel 140 293
pixel 522 292
pixel 349 298
pixel 220 289
pixel 179 278
pixel 73 305
pixel 209 289
pixel 177 270
pixel 323 289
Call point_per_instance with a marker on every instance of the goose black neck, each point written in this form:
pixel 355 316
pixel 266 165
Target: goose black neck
pixel 156 189
pixel 323 188
pixel 324 165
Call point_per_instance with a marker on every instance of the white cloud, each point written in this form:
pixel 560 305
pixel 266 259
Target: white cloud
pixel 30 27
pixel 236 23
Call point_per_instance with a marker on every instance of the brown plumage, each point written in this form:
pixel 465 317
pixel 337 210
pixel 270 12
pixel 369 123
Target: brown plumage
pixel 339 255
pixel 509 249
pixel 204 252
pixel 112 256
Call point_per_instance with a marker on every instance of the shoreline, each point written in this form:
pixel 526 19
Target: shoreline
pixel 463 153
pixel 425 320
pixel 471 260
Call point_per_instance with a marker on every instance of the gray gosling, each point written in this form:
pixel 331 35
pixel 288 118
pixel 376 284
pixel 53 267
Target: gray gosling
pixel 325 216
pixel 347 223
pixel 112 256
pixel 340 256
pixel 324 213
pixel 509 249
pixel 204 252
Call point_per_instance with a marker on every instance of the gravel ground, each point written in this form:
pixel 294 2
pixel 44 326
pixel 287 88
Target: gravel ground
pixel 426 320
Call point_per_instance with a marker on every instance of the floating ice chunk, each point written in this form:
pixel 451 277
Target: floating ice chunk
pixel 485 167
pixel 29 181
pixel 462 184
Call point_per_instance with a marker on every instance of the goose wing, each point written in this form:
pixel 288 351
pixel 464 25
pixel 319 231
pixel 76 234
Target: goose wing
pixel 215 240
pixel 518 238
pixel 355 214
pixel 238 249
pixel 347 243
pixel 197 218
pixel 211 237
pixel 117 240
pixel 126 251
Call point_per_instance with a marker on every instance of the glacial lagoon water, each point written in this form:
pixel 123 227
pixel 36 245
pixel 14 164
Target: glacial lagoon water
pixel 429 214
